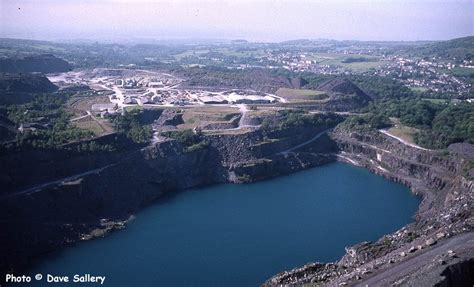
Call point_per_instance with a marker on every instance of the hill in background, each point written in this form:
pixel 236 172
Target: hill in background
pixel 21 88
pixel 461 48
pixel 36 63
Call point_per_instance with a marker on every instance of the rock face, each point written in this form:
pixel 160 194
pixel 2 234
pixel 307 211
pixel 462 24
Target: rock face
pixel 37 63
pixel 96 196
pixel 19 83
pixel 8 128
pixel 441 179
pixel 105 192
pixel 68 210
pixel 21 88
pixel 459 274
pixel 343 96
pixel 345 87
pixel 298 82
pixel 169 118
pixel 256 79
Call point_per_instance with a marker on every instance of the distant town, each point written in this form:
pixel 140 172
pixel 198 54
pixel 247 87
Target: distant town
pixel 90 133
pixel 423 73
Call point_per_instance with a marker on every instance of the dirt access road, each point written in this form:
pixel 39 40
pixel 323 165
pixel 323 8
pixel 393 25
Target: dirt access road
pixel 387 277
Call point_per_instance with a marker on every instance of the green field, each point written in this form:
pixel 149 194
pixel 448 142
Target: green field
pixel 418 89
pixel 198 116
pixel 404 132
pixel 98 127
pixel 241 54
pixel 133 108
pixel 334 59
pixel 435 101
pixel 301 94
pixel 190 53
pixel 467 74
pixel 461 72
pixel 224 51
pixel 92 126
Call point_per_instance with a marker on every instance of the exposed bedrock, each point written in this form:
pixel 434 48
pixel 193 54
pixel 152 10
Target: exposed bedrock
pixel 441 179
pixel 60 213
pixel 458 274
pixel 66 208
pixel 97 202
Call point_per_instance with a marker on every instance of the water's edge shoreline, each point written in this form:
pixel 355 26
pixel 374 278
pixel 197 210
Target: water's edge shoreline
pixel 163 168
pixel 445 211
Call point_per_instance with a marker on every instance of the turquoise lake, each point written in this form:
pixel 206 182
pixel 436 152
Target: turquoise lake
pixel 240 235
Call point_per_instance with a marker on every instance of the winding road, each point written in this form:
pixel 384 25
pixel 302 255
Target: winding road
pixel 285 152
pixel 385 132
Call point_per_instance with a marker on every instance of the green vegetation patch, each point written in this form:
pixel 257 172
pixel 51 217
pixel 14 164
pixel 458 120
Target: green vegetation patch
pixel 91 125
pixel 468 170
pixel 349 60
pixel 419 89
pixel 404 132
pixel 432 125
pixel 464 73
pixel 129 124
pixel 366 122
pixel 356 63
pixel 381 88
pixel 291 118
pixel 301 94
pixel 455 123
pixel 43 123
pixel 191 140
pixel 435 101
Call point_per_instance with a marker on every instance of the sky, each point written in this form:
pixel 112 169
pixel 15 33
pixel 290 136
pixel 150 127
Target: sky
pixel 257 20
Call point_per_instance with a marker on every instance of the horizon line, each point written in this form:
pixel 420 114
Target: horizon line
pixel 119 39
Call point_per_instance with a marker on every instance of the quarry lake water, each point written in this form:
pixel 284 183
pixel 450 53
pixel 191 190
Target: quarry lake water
pixel 240 235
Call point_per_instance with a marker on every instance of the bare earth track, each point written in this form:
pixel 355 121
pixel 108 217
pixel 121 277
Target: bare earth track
pixel 462 245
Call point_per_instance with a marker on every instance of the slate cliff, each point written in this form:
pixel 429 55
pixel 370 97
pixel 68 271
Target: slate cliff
pixel 87 196
pixel 442 179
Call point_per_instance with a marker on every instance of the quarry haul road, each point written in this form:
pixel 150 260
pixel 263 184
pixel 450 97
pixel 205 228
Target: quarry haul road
pixel 387 277
pixel 305 143
pixel 402 140
pixel 243 109
pixel 40 187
